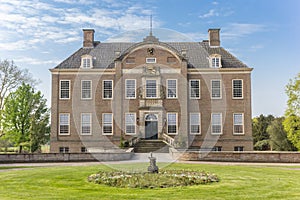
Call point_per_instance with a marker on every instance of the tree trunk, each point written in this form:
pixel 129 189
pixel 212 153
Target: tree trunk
pixel 20 148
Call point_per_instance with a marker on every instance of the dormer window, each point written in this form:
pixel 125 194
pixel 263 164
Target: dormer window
pixel 86 62
pixel 215 61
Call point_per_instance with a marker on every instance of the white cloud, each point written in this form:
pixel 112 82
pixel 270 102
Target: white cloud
pixel 34 61
pixel 237 30
pixel 210 13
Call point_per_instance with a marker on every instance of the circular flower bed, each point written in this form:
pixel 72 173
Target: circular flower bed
pixel 163 179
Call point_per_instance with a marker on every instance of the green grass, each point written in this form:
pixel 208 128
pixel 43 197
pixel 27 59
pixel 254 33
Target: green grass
pixel 237 182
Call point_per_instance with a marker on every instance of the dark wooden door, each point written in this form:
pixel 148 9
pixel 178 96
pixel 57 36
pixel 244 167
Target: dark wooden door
pixel 151 130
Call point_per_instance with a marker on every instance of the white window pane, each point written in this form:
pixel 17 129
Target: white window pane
pixel 130 88
pixel 172 87
pixel 151 88
pixel 194 88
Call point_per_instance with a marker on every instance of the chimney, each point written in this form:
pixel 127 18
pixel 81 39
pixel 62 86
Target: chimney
pixel 88 38
pixel 214 37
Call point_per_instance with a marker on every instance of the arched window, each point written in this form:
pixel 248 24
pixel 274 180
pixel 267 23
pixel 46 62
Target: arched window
pixel 86 61
pixel 215 61
pixel 151 117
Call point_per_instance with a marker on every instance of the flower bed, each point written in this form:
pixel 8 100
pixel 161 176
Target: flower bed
pixel 163 179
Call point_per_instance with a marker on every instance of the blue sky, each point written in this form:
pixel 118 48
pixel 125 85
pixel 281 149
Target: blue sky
pixel 264 34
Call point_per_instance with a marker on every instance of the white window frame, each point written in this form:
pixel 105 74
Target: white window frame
pixel 86 124
pixel 176 91
pixel 214 124
pixel 176 117
pixel 67 124
pixel 90 90
pixel 190 88
pixel 86 62
pixel 191 123
pixel 156 89
pixel 105 123
pixel 233 97
pixel 239 124
pixel 69 89
pixel 112 89
pixel 126 89
pixel 130 124
pixel 150 60
pixel 212 89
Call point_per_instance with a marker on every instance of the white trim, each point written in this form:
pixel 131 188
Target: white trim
pixel 112 124
pixel 134 121
pixel 68 114
pixel 60 89
pixel 134 89
pixel 191 88
pixel 176 89
pixel 91 123
pixel 211 89
pixel 90 90
pixel 112 89
pixel 86 57
pixel 211 124
pixel 176 123
pixel 243 124
pixel 196 113
pixel 242 89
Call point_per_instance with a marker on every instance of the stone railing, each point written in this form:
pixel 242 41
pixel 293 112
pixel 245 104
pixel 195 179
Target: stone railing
pixel 169 140
pixel 133 141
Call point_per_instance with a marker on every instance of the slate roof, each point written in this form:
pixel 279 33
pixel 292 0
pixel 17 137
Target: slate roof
pixel 197 55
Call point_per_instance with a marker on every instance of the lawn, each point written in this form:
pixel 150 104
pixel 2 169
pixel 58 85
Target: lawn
pixel 237 182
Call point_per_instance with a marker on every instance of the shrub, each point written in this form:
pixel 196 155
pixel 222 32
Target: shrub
pixel 163 179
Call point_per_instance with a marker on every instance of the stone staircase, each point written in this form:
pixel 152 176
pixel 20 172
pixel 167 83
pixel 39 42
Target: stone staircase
pixel 147 146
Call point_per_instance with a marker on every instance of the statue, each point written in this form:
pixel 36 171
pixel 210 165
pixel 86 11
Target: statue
pixel 152 168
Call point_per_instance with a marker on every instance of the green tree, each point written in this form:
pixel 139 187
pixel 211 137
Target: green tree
pixel 278 136
pixel 26 118
pixel 260 135
pixel 11 77
pixel 292 120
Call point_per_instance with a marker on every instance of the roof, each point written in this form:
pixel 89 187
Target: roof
pixel 197 54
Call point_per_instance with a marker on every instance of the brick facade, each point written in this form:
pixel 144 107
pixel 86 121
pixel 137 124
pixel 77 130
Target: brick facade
pixel 144 62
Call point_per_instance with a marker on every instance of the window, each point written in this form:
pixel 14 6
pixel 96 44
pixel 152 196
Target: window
pixel 64 89
pixel 195 89
pixel 86 91
pixel 216 123
pixel 172 88
pixel 172 123
pixel 237 89
pixel 216 89
pixel 107 124
pixel 86 124
pixel 195 123
pixel 86 61
pixel 130 123
pixel 217 148
pixel 238 148
pixel 130 60
pixel 64 124
pixel 171 60
pixel 238 123
pixel 63 149
pixel 151 90
pixel 83 150
pixel 107 89
pixel 215 62
pixel 150 60
pixel 130 85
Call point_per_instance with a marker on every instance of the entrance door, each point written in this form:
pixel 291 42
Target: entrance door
pixel 151 127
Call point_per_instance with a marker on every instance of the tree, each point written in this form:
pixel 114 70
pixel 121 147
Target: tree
pixel 292 120
pixel 260 135
pixel 278 136
pixel 10 78
pixel 26 118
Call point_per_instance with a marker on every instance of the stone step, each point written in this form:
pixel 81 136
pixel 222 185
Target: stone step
pixel 147 146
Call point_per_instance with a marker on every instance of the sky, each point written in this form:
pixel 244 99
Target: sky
pixel 264 34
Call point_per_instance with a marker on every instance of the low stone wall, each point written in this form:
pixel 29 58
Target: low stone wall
pixel 231 156
pixel 65 157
